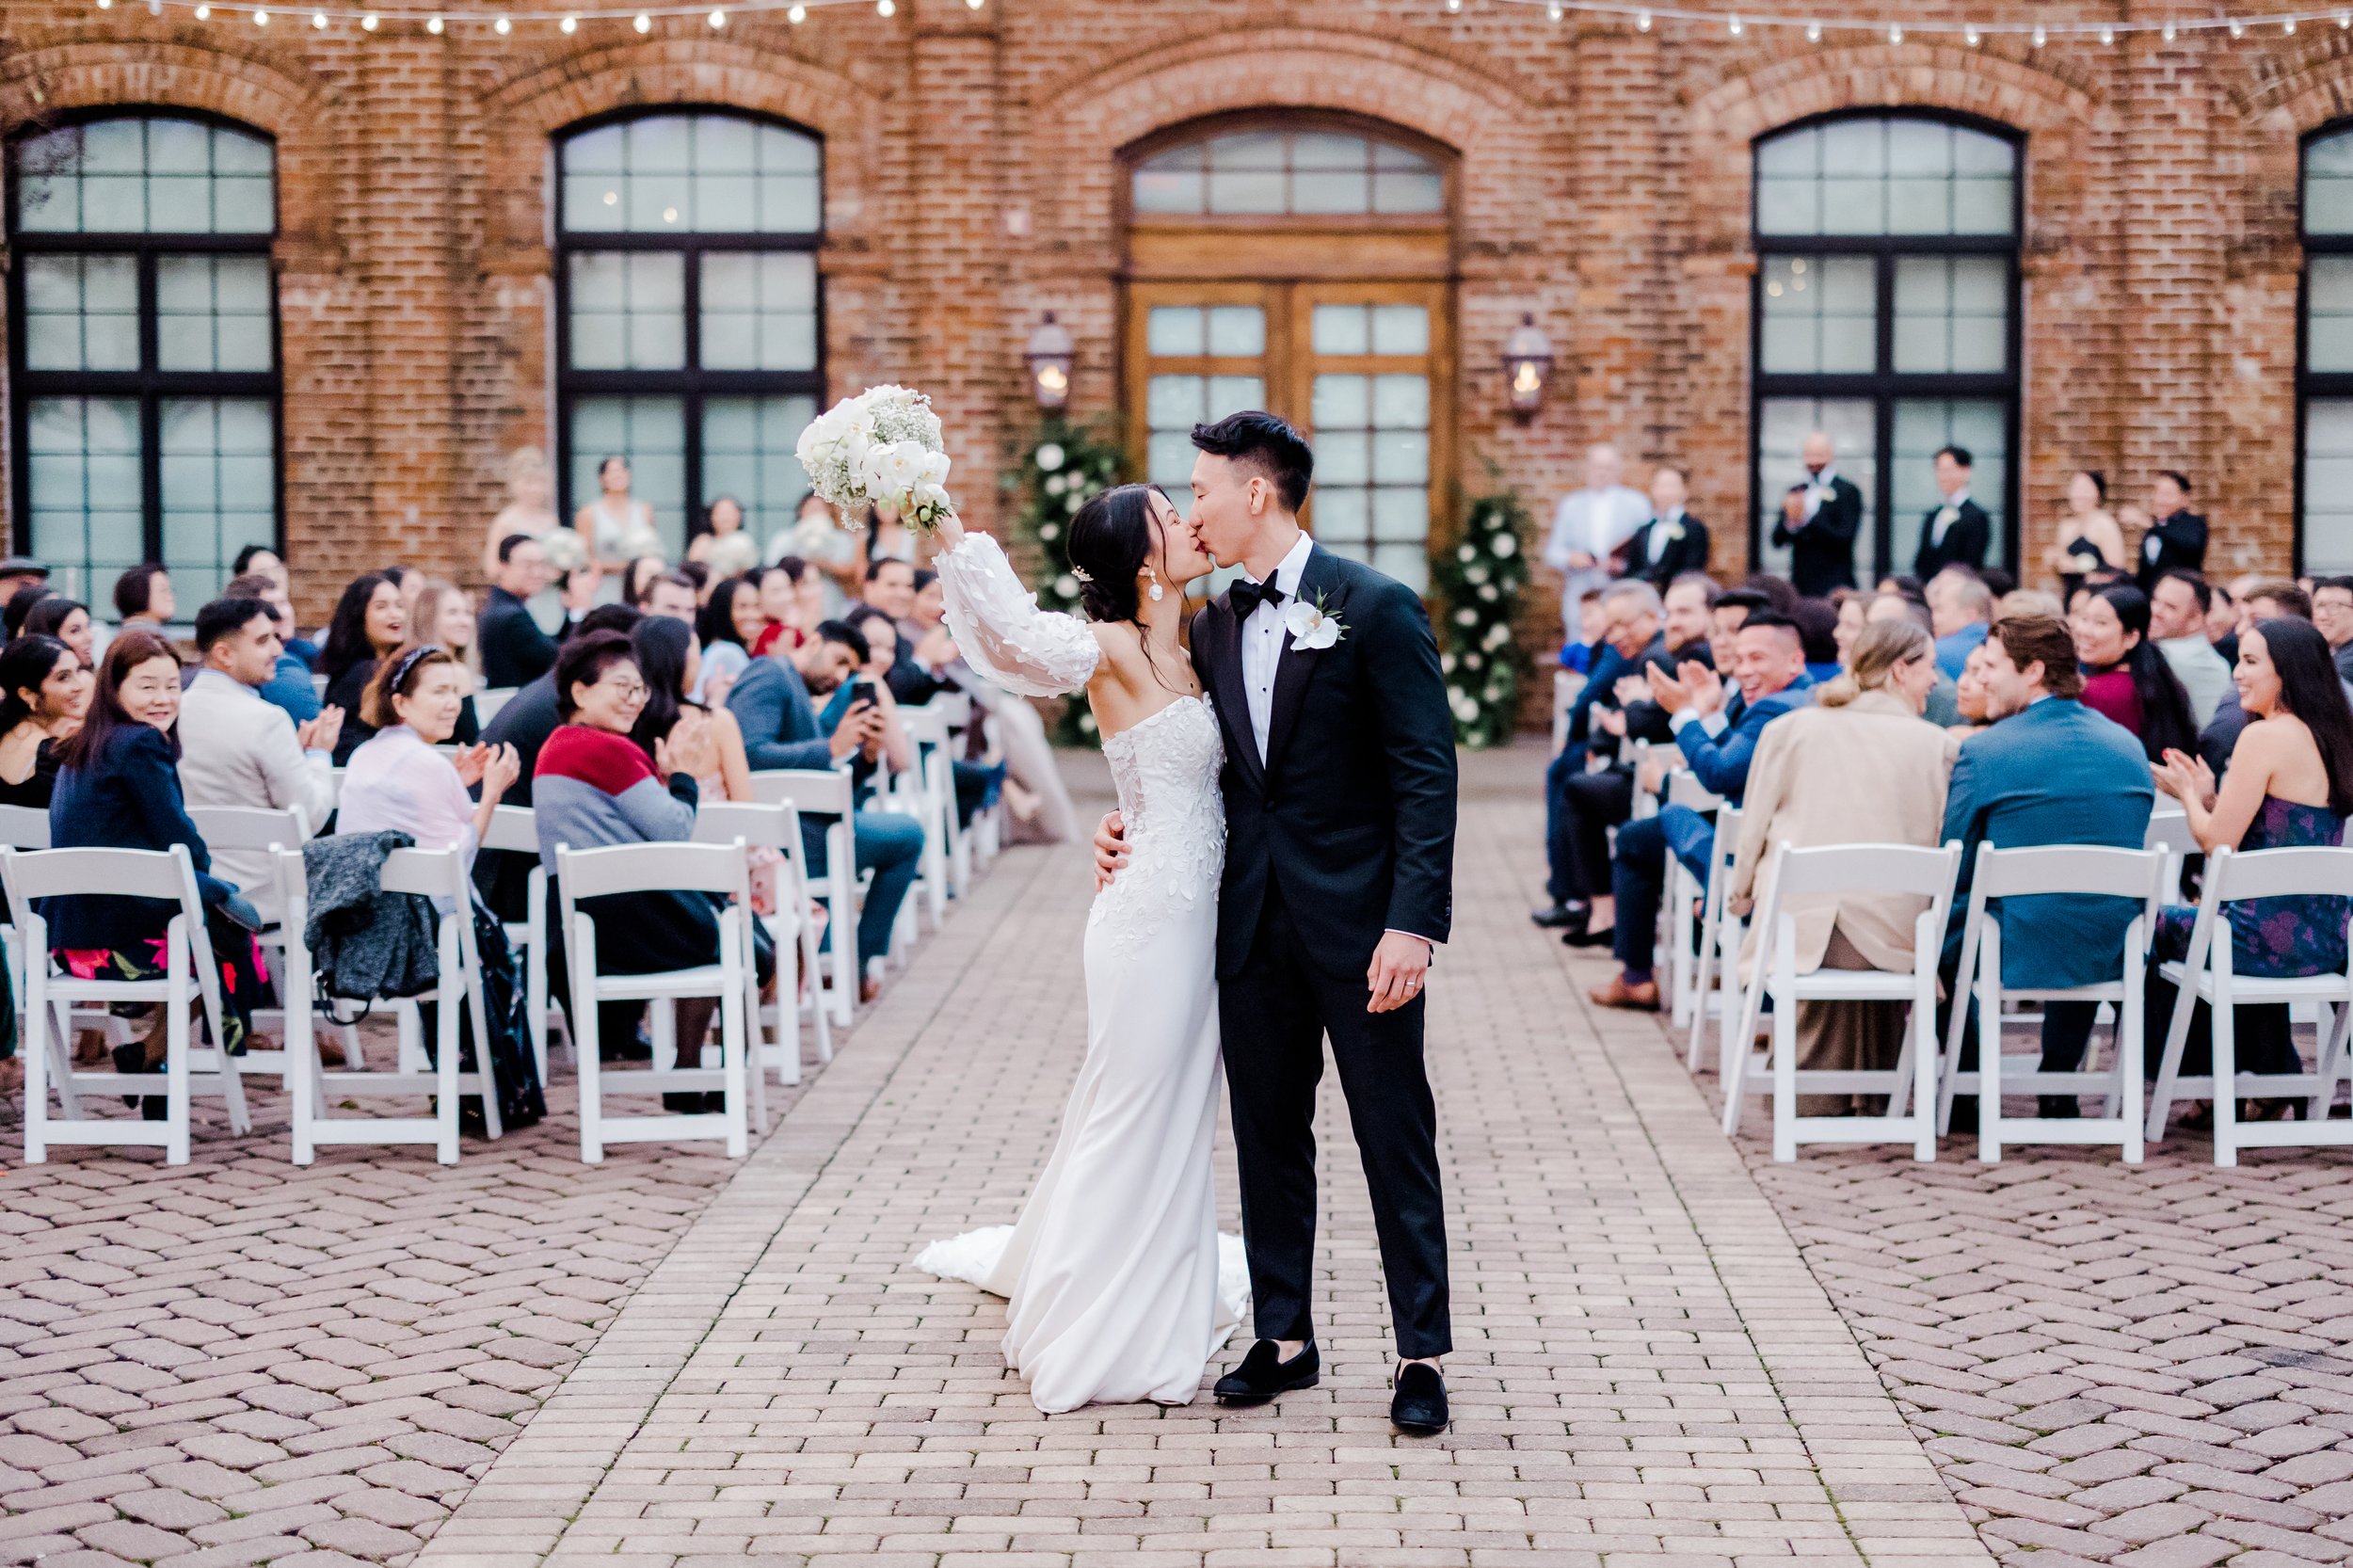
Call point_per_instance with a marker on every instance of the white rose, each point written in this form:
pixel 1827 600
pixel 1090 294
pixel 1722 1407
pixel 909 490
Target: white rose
pixel 1050 532
pixel 1049 457
pixel 1066 586
pixel 1056 484
pixel 1466 554
pixel 1505 546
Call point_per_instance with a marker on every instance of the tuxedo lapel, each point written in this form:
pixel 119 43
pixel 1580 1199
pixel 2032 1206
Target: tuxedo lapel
pixel 1296 666
pixel 1225 684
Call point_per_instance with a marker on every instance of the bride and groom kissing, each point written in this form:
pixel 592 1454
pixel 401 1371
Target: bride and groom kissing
pixel 1279 870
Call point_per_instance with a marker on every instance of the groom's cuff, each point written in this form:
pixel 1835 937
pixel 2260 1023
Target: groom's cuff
pixel 1400 931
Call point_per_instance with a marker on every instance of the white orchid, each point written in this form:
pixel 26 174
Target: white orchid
pixel 881 448
pixel 1312 626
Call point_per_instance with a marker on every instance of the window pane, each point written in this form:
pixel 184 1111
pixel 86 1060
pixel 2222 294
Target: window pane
pixel 81 312
pixel 680 173
pixel 747 453
pixel 1782 424
pixel 2328 303
pixel 2328 184
pixel 1891 175
pixel 1237 331
pixel 1372 460
pixel 219 488
pixel 1400 329
pixel 650 432
pixel 759 311
pixel 83 460
pixel 1307 172
pixel 1821 315
pixel 146 174
pixel 2329 487
pixel 628 310
pixel 1172 405
pixel 1952 314
pixel 211 312
pixel 1345 330
pixel 1178 331
pixel 1924 427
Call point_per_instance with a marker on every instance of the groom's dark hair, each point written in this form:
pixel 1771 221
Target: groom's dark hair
pixel 1266 444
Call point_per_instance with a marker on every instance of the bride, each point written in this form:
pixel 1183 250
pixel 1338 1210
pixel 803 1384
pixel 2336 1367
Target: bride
pixel 1112 1277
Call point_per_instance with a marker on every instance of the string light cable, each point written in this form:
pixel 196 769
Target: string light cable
pixel 505 22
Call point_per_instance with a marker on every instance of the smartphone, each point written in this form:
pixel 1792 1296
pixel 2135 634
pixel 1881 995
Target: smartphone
pixel 863 691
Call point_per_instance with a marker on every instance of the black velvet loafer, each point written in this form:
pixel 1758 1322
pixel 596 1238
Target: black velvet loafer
pixel 1264 1373
pixel 1419 1404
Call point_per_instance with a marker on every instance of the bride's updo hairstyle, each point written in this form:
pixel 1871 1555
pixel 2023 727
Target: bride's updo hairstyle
pixel 1110 539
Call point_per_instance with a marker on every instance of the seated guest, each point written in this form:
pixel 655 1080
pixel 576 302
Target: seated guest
pixel 1672 541
pixel 21 604
pixel 666 657
pixel 773 704
pixel 2251 599
pixel 1583 649
pixel 18 570
pixel 1852 607
pixel 2177 624
pixel 444 618
pixel 514 649
pixel 2290 783
pixel 2027 601
pixel 667 593
pixel 68 620
pixel 2125 677
pixel 1718 736
pixel 1818 633
pixel 891 586
pixel 978 785
pixel 1855 767
pixel 532 714
pixel 370 621
pixel 45 696
pixel 118 787
pixel 397 780
pixel 237 750
pixel 143 597
pixel 289 687
pixel 2332 616
pixel 1959 609
pixel 1943 702
pixel 1972 708
pixel 727 626
pixel 1582 802
pixel 2049 771
pixel 907 682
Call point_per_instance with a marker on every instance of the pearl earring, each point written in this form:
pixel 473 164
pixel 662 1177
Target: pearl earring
pixel 1156 591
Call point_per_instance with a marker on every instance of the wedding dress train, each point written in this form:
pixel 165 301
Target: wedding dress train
pixel 1118 1287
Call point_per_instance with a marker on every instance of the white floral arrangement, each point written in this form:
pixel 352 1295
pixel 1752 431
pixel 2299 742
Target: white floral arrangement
pixel 732 554
pixel 565 549
pixel 881 448
pixel 639 540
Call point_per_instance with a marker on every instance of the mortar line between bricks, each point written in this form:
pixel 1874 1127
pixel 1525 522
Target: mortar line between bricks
pixel 490 1526
pixel 1709 1179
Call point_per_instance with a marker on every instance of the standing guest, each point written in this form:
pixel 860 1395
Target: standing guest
pixel 1960 607
pixel 723 545
pixel 1819 531
pixel 2177 536
pixel 1672 541
pixel 2333 615
pixel 143 597
pixel 1855 767
pixel 1942 707
pixel 2290 783
pixel 2177 624
pixel 607 523
pixel 514 647
pixel 2047 771
pixel 236 748
pixel 21 604
pixel 18 570
pixel 830 552
pixel 444 618
pixel 2125 677
pixel 1958 531
pixel 530 509
pixel 118 787
pixel 1718 736
pixel 68 620
pixel 667 658
pixel 45 696
pixel 888 538
pixel 396 780
pixel 637 575
pixel 370 622
pixel 727 625
pixel 1589 524
pixel 289 686
pixel 2088 538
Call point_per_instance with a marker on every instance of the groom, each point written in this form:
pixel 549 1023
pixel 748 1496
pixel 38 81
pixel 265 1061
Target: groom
pixel 1340 868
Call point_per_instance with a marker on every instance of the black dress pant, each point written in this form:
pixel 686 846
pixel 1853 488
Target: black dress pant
pixel 1274 1012
pixel 1597 801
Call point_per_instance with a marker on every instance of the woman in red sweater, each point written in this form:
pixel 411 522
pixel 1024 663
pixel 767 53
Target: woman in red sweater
pixel 2125 677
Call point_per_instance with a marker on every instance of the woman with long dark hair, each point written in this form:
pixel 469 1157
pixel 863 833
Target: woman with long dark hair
pixel 370 621
pixel 2290 782
pixel 727 625
pixel 671 666
pixel 68 620
pixel 45 696
pixel 2125 676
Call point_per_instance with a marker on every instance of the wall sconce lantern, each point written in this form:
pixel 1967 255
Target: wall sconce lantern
pixel 1527 365
pixel 1050 356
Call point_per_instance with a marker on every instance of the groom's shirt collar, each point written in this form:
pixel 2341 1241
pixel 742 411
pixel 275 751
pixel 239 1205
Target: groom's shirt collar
pixel 1292 567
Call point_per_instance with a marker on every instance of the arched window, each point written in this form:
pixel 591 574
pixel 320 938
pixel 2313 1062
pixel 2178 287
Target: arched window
pixel 686 273
pixel 2325 370
pixel 1261 173
pixel 1887 314
pixel 143 349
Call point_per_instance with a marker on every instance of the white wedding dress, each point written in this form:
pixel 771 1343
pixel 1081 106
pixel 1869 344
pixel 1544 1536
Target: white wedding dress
pixel 1118 1287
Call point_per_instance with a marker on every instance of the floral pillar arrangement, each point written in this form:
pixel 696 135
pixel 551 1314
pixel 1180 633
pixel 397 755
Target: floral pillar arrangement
pixel 1477 584
pixel 1052 477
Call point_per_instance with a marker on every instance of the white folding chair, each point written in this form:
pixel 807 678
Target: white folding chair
pixel 935 773
pixel 827 795
pixel 956 712
pixel 2207 975
pixel 778 827
pixel 1683 788
pixel 1716 976
pixel 488 701
pixel 266 830
pixel 1565 685
pixel 514 829
pixel 167 876
pixel 664 867
pixel 1902 870
pixel 436 874
pixel 2078 869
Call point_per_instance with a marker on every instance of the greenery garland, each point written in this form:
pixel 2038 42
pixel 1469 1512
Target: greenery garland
pixel 1478 585
pixel 1060 467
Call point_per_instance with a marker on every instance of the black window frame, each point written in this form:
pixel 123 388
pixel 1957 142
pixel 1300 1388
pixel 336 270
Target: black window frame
pixel 691 384
pixel 150 385
pixel 2311 385
pixel 1884 387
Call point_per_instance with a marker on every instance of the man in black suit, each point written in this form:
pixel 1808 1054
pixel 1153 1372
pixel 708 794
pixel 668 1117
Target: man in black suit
pixel 515 651
pixel 2177 539
pixel 1958 533
pixel 1672 541
pixel 1339 794
pixel 1820 532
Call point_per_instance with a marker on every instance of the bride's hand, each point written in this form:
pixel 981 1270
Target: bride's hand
pixel 1111 850
pixel 948 531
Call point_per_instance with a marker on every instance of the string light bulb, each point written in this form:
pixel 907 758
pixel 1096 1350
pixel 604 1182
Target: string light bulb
pixel 797 15
pixel 1812 32
pixel 569 25
pixel 2167 32
pixel 974 4
pixel 885 8
pixel 319 20
pixel 1453 7
pixel 105 5
pixel 1553 11
pixel 2238 28
pixel 1737 27
pixel 367 23
pixel 261 19
pixel 1641 21
pixel 1970 36
pixel 2107 35
pixel 2041 37
pixel 433 26
pixel 2288 26
pixel 644 22
pixel 2344 21
pixel 718 18
pixel 501 27
pixel 1895 34
pixel 203 13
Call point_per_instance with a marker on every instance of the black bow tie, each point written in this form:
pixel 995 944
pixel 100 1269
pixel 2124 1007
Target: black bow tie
pixel 1247 596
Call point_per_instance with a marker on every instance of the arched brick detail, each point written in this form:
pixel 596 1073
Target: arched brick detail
pixel 293 106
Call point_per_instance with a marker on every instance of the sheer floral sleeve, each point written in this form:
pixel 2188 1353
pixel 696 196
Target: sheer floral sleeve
pixel 1003 634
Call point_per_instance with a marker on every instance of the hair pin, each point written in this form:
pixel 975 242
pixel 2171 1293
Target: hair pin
pixel 1081 574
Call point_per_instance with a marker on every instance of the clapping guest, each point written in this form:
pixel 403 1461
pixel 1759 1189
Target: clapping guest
pixel 2290 783
pixel 2125 676
pixel 68 620
pixel 2177 624
pixel 370 622
pixel 532 714
pixel 444 618
pixel 1819 520
pixel 396 780
pixel 2177 536
pixel 289 687
pixel 670 664
pixel 2253 598
pixel 143 597
pixel 45 696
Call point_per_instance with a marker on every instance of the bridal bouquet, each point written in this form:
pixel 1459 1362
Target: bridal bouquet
pixel 881 448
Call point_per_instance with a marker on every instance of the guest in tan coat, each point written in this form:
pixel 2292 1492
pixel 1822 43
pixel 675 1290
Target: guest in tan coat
pixel 1860 767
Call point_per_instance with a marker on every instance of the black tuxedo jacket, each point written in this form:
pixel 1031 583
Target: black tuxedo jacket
pixel 2180 541
pixel 1688 554
pixel 515 651
pixel 1821 555
pixel 1964 545
pixel 1352 813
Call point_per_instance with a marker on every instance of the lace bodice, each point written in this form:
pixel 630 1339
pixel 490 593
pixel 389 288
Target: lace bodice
pixel 1165 770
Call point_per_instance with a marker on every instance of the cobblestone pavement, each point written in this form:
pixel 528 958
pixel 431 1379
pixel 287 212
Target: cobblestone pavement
pixel 1645 1370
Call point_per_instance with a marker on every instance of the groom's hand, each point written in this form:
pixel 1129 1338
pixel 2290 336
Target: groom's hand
pixel 1399 965
pixel 1111 850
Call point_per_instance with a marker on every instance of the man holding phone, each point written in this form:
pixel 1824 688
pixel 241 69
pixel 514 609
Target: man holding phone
pixel 772 703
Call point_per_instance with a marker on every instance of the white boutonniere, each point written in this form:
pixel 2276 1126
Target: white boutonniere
pixel 1947 516
pixel 1312 626
pixel 1673 531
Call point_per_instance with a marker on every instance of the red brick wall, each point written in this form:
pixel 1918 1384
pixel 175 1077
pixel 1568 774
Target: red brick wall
pixel 971 177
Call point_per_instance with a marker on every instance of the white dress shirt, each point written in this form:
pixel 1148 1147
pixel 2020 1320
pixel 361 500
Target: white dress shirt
pixel 1594 522
pixel 1947 514
pixel 236 749
pixel 1262 637
pixel 1817 490
pixel 1657 545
